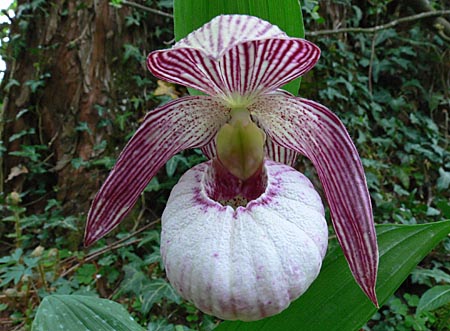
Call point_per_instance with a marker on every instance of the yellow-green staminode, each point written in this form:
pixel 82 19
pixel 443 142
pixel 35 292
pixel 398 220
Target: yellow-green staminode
pixel 240 145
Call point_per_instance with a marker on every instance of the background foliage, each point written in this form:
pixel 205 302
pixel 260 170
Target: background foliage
pixel 390 88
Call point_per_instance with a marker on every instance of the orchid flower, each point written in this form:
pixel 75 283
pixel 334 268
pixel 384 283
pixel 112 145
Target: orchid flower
pixel 244 233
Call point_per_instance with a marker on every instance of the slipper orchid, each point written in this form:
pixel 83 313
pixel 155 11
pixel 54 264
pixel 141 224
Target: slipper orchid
pixel 244 234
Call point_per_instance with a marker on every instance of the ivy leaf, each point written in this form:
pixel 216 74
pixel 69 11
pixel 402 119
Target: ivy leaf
pixel 150 291
pixel 133 52
pixel 422 276
pixel 443 181
pixel 133 281
pixel 21 134
pixel 155 291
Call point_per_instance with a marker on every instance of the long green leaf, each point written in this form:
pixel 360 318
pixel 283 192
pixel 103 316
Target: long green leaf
pixel 335 302
pixel 77 312
pixel 434 298
pixel 189 15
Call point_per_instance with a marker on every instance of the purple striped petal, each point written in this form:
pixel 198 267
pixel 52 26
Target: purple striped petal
pixel 210 150
pixel 189 67
pixel 230 64
pixel 262 66
pixel 311 129
pixel 276 152
pixel 193 61
pixel 183 123
pixel 280 154
pixel 226 31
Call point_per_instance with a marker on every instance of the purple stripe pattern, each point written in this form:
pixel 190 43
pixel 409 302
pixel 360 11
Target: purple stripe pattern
pixel 312 130
pixel 235 64
pixel 226 31
pixel 210 150
pixel 183 123
pixel 240 62
pixel 280 154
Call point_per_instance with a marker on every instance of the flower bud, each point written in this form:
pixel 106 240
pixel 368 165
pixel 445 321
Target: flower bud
pixel 14 198
pixel 37 252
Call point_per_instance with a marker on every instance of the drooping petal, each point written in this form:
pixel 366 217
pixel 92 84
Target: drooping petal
pixel 246 263
pixel 311 129
pixel 232 64
pixel 183 123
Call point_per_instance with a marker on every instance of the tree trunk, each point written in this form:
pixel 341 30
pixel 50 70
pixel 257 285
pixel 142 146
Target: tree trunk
pixel 65 76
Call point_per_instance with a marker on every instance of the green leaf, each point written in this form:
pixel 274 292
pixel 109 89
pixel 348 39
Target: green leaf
pixel 434 298
pixel 155 291
pixel 133 281
pixel 422 276
pixel 287 16
pixel 150 291
pixel 335 302
pixel 21 134
pixel 116 3
pixel 86 273
pixel 11 83
pixel 172 164
pixel 133 52
pixel 160 325
pixel 77 312
pixel 443 181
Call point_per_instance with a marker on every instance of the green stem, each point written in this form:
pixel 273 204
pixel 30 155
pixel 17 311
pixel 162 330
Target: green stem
pixel 18 228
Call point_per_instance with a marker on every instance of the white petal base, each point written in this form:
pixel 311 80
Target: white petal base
pixel 247 263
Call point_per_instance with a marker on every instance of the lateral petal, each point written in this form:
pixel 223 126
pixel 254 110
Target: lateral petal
pixel 314 131
pixel 181 124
